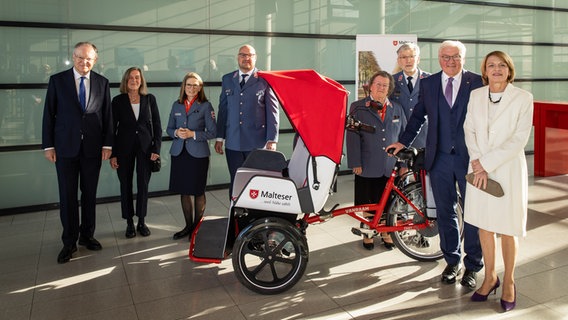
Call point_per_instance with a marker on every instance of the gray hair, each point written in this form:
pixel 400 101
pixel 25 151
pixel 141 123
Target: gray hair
pixel 409 46
pixel 453 44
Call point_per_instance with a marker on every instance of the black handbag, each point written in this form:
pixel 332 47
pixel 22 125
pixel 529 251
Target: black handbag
pixel 155 165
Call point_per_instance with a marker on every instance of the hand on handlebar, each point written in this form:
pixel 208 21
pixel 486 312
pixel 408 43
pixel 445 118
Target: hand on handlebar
pixel 394 148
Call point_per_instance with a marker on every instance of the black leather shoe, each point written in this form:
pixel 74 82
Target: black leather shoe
pixel 450 273
pixel 368 246
pixel 91 243
pixel 130 231
pixel 66 254
pixel 184 233
pixel 143 229
pixel 469 279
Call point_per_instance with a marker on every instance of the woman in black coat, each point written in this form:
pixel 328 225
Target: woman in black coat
pixel 137 141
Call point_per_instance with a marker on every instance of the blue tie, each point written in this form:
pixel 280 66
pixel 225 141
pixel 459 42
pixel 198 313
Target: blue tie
pixel 82 94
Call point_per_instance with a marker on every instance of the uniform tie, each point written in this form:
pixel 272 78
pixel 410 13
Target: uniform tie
pixel 82 94
pixel 449 91
pixel 409 84
pixel 243 80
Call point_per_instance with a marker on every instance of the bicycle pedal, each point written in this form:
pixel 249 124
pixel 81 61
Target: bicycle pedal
pixel 363 232
pixel 356 231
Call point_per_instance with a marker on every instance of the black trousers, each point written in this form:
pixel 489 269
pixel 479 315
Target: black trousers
pixel 126 164
pixel 74 174
pixel 369 190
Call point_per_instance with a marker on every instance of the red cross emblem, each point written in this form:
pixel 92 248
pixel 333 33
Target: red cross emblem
pixel 253 193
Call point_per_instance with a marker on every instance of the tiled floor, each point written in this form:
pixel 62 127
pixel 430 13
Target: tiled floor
pixel 152 278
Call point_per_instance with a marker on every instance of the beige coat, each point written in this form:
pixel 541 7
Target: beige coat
pixel 499 146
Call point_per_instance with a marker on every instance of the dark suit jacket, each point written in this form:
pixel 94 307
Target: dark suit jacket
pixel 428 105
pixel 66 126
pixel 408 101
pixel 127 129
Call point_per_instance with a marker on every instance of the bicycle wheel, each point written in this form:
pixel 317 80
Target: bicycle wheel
pixel 270 256
pixel 424 244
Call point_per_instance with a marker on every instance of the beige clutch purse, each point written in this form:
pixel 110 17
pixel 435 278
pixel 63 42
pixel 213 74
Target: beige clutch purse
pixel 493 187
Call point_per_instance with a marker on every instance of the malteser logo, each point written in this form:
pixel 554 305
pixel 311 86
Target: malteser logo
pixel 253 193
pixel 401 42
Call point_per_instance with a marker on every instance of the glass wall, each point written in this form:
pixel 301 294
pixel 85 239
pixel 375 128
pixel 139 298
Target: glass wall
pixel 169 38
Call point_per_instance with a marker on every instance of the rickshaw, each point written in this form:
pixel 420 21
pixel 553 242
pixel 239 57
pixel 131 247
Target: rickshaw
pixel 275 199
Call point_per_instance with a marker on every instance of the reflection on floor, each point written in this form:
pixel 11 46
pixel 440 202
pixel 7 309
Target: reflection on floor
pixel 152 278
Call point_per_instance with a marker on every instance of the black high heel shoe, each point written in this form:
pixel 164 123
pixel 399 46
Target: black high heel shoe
pixel 508 306
pixel 369 245
pixel 478 297
pixel 388 245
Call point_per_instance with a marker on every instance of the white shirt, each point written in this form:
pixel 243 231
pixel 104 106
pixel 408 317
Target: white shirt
pixel 241 76
pixel 136 109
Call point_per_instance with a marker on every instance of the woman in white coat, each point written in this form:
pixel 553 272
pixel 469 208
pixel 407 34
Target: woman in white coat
pixel 497 128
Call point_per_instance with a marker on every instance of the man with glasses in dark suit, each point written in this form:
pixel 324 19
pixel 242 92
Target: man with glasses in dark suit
pixel 443 98
pixel 77 136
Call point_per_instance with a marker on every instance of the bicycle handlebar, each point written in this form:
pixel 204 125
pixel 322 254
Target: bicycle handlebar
pixel 404 155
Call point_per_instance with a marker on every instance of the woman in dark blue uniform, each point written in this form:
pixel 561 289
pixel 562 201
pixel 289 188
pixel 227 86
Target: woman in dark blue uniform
pixel 191 125
pixel 366 154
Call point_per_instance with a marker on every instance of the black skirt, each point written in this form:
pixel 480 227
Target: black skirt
pixel 188 174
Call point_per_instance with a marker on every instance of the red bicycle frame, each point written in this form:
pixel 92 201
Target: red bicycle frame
pixel 377 207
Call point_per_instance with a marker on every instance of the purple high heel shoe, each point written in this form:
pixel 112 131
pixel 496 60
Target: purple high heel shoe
pixel 508 306
pixel 477 297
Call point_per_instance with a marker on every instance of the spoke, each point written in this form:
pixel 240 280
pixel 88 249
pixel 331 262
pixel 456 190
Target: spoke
pixel 258 268
pixel 285 260
pixel 273 269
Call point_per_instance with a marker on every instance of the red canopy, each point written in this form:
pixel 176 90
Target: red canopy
pixel 316 107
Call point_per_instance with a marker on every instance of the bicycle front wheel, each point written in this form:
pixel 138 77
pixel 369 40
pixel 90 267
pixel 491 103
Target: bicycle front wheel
pixel 423 244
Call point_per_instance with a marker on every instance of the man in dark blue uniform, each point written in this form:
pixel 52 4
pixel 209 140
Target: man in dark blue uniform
pixel 248 113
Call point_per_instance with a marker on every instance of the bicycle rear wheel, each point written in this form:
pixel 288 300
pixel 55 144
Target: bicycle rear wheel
pixel 270 255
pixel 423 244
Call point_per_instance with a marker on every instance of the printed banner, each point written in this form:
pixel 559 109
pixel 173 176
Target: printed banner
pixel 376 52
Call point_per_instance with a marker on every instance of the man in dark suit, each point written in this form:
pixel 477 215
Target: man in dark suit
pixel 407 85
pixel 77 136
pixel 248 113
pixel 443 98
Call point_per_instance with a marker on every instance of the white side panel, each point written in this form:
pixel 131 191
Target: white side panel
pixel 271 194
pixel 326 171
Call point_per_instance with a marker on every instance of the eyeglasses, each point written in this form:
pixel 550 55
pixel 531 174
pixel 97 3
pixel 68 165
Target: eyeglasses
pixel 246 55
pixel 193 85
pixel 381 85
pixel 84 59
pixel 407 57
pixel 454 58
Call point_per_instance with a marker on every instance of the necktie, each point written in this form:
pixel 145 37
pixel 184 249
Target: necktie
pixel 449 91
pixel 82 94
pixel 243 80
pixel 409 84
